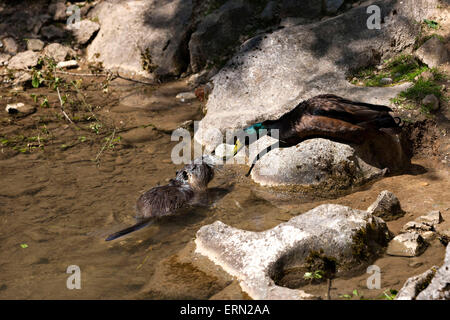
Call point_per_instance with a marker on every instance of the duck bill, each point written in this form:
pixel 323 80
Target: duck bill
pixel 237 147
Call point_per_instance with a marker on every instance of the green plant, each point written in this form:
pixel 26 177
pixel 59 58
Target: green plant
pixel 353 295
pixel 318 274
pixel 389 294
pixel 431 24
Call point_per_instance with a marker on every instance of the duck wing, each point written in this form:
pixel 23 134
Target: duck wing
pixel 354 112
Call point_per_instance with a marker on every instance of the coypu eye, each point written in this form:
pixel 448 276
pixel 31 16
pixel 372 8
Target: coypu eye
pixel 185 175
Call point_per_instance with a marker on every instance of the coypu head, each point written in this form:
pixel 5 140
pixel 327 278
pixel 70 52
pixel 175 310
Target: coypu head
pixel 197 175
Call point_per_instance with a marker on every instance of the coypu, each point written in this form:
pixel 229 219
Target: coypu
pixel 186 189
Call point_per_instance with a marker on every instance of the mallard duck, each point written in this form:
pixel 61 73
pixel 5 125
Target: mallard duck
pixel 324 116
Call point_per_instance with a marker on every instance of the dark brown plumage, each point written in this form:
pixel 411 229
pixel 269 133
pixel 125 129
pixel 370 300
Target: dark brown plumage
pixel 326 116
pixel 189 183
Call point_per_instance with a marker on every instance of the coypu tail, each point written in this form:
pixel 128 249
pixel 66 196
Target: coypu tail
pixel 128 230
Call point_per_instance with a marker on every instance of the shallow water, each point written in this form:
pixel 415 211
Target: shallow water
pixel 62 205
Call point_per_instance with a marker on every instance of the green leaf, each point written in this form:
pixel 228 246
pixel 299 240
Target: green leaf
pixel 24 245
pixel 355 292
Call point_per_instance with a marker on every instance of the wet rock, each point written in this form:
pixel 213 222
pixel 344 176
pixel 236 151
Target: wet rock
pixel 431 101
pixel 433 53
pixel 19 108
pixel 35 44
pixel 4 58
pixel 432 218
pixel 439 288
pixel 24 60
pixel 299 62
pixel 142 37
pixel 67 64
pixel 139 135
pixel 58 52
pixel 10 45
pixel 387 206
pixel 217 32
pixel 409 244
pixel 414 285
pixel 254 258
pixel 185 96
pixel 52 32
pixel 83 30
pixel 332 6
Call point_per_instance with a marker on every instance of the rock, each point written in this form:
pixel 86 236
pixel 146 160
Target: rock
pixel 416 226
pixel 19 108
pixel 386 81
pixel 198 78
pixel 428 236
pixel 218 32
pixel 414 285
pixel 305 9
pixel 67 64
pixel 386 206
pixel 431 101
pixel 432 218
pixel 255 258
pixel 410 244
pixel 296 63
pixel 52 32
pixel 35 44
pixel 439 288
pixel 142 37
pixel 24 60
pixel 21 77
pixel 183 96
pixel 433 53
pixel 316 163
pixel 4 58
pixel 433 284
pixel 84 30
pixel 332 6
pixel 269 12
pixel 427 75
pixel 10 45
pixel 58 52
pixel 58 9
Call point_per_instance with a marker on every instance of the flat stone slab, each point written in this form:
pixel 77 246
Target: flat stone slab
pixel 254 257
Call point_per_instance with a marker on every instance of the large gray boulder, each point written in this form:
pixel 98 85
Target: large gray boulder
pixel 139 37
pixel 272 73
pixel 352 237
